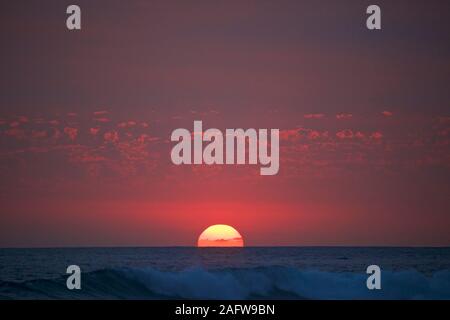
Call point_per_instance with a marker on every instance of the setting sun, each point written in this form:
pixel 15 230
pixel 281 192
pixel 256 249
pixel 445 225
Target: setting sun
pixel 220 235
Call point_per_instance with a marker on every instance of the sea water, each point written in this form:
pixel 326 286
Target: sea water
pixel 225 273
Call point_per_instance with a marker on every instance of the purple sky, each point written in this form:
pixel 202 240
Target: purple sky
pixel 86 117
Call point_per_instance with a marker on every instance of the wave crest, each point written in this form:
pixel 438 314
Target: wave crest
pixel 237 283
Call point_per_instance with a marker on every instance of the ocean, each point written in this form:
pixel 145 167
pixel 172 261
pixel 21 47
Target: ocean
pixel 226 273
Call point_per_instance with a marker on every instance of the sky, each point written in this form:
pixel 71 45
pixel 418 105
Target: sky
pixel 86 118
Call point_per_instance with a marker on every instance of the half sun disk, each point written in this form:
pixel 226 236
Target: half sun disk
pixel 220 235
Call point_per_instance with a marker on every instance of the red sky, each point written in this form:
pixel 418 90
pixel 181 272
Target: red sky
pixel 86 117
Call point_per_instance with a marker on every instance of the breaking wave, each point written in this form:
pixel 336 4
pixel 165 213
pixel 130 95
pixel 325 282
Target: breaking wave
pixel 233 283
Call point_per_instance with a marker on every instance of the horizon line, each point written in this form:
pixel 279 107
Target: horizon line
pixel 194 246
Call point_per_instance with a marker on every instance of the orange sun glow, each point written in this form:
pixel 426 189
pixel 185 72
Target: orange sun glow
pixel 220 235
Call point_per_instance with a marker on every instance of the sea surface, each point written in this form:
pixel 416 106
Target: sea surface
pixel 225 273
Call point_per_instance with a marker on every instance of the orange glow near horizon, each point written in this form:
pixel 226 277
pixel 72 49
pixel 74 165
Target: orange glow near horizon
pixel 220 235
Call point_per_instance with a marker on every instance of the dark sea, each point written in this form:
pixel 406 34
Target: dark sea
pixel 225 273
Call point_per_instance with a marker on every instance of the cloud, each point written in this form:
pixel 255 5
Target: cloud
pixel 127 124
pixel 94 131
pixel 16 133
pixel 296 134
pixel 101 112
pixel 71 132
pixel 314 134
pixel 345 134
pixel 314 116
pixel 376 135
pixel 146 138
pixel 360 135
pixel 23 119
pixel 387 113
pixel 102 119
pixel 111 136
pixel 290 134
pixel 342 116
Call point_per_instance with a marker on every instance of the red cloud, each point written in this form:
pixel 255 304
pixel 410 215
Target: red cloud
pixel 341 116
pixel 293 135
pixel 71 132
pixel 314 116
pixel 387 113
pixel 359 135
pixel 102 119
pixel 23 119
pixel 126 124
pixel 15 132
pixel 313 134
pixel 94 131
pixel 145 137
pixel 101 112
pixel 290 135
pixel 111 136
pixel 376 135
pixel 345 134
